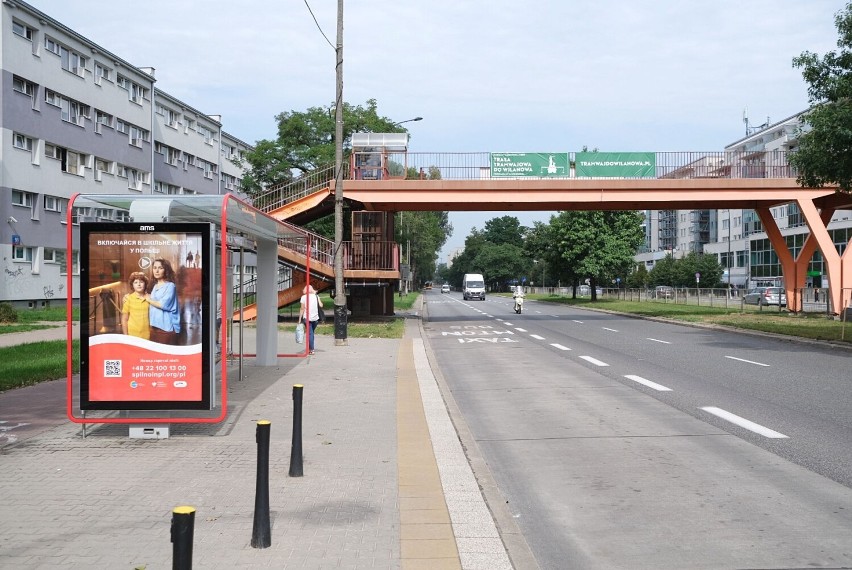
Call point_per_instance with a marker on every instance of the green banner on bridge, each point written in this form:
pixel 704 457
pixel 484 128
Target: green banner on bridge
pixel 615 164
pixel 534 164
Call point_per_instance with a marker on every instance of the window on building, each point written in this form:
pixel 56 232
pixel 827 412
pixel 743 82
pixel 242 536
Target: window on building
pixel 206 133
pixel 52 203
pixel 172 156
pixel 22 254
pixel 102 72
pixel 70 161
pixel 121 126
pixel 22 142
pixel 50 255
pixel 72 61
pixel 102 119
pixel 61 259
pixel 188 124
pixel 74 111
pixel 121 171
pixel 188 160
pixel 21 85
pixel 137 135
pixel 21 198
pixel 23 30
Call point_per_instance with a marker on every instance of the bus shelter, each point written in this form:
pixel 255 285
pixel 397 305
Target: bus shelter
pixel 158 299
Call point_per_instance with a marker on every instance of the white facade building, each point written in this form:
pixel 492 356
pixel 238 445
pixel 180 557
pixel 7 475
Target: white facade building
pixel 75 118
pixel 735 236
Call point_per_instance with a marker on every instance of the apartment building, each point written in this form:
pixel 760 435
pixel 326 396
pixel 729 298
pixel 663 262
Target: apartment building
pixel 736 236
pixel 76 118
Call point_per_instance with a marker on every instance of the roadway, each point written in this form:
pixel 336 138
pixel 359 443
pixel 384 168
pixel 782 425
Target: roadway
pixel 627 443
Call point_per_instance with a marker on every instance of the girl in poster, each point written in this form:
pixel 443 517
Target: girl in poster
pixel 135 308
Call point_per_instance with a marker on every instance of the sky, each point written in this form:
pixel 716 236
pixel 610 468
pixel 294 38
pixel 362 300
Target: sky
pixel 487 75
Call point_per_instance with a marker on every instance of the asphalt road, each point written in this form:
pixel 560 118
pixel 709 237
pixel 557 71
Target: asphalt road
pixel 627 443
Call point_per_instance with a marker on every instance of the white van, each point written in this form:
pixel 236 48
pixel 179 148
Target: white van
pixel 473 286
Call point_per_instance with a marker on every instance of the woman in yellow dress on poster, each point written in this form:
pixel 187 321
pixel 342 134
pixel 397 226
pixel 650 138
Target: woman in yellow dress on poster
pixel 134 308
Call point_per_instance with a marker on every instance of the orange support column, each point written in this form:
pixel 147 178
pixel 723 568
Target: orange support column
pixel 818 225
pixel 793 281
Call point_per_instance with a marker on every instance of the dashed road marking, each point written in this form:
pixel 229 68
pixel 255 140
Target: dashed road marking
pixel 746 361
pixel 576 321
pixel 648 383
pixel 594 361
pixel 744 423
pixel 658 340
pixel 559 346
pixel 520 329
pixel 535 336
pixel 608 329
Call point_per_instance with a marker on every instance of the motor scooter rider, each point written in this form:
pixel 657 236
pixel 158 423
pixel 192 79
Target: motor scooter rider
pixel 518 296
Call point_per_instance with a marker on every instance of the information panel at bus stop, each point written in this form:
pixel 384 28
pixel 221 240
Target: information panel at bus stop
pixel 148 339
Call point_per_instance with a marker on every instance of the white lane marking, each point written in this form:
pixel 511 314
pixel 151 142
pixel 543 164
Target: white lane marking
pixel 744 423
pixel 658 340
pixel 746 361
pixel 535 336
pixel 520 329
pixel 611 330
pixel 554 316
pixel 508 324
pixel 489 316
pixel 648 383
pixel 501 320
pixel 538 312
pixel 576 321
pixel 594 361
pixel 560 347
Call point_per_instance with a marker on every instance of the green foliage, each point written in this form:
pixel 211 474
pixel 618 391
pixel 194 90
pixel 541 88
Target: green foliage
pixel 639 279
pixel 499 264
pixel 8 313
pixel 425 233
pixel 681 272
pixel 597 245
pixel 306 141
pixel 822 156
pixel 506 229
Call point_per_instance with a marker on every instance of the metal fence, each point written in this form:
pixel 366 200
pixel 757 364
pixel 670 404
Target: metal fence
pixel 813 301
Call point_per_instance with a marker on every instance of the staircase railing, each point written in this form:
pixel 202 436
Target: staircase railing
pixel 282 194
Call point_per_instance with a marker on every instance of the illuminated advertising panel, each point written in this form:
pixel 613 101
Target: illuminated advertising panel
pixel 145 316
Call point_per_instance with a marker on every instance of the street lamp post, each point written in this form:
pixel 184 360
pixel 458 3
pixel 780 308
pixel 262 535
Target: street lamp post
pixel 408 121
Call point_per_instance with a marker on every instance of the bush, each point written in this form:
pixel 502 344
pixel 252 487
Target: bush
pixel 8 313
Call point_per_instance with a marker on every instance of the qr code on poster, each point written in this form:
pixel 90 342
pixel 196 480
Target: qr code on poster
pixel 112 368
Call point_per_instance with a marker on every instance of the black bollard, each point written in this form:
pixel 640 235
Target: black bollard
pixel 183 524
pixel 261 535
pixel 296 447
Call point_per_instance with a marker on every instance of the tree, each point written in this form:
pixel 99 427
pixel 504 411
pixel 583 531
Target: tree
pixel 306 141
pixel 422 235
pixel 499 264
pixel 823 155
pixel 598 245
pixel 506 229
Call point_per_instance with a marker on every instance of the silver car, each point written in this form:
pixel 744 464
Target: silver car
pixel 766 296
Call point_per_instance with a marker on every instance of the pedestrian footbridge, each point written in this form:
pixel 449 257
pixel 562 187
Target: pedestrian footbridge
pixel 396 180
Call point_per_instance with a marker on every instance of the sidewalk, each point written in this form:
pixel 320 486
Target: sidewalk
pixel 386 483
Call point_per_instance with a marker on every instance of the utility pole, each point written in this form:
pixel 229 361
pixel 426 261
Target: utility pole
pixel 340 317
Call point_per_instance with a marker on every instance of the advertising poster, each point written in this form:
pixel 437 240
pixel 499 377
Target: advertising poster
pixel 533 164
pixel 145 321
pixel 615 164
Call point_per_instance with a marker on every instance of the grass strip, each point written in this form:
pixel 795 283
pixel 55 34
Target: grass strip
pixel 34 362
